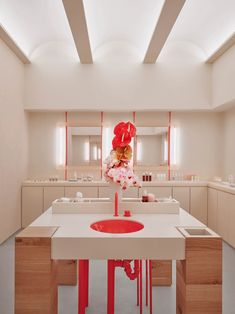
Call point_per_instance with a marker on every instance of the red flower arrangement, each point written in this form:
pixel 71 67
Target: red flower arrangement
pixel 118 169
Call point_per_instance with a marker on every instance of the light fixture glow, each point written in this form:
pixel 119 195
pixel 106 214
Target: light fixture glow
pixel 107 143
pixel 60 146
pixel 99 153
pixel 86 151
pixel 95 152
pixel 139 150
pixel 165 149
pixel 175 146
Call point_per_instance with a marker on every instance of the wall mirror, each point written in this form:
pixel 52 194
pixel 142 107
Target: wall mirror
pixel 152 146
pixel 84 146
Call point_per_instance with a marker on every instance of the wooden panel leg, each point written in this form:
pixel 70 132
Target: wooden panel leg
pixel 35 272
pixel 161 273
pixel 199 277
pixel 67 272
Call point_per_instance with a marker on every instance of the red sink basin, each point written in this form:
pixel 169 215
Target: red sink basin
pixel 117 226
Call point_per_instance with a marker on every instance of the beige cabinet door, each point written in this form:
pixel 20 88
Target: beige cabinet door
pixel 231 236
pixel 104 191
pixel 87 191
pixel 32 204
pixel 198 203
pixel 158 191
pixel 50 194
pixel 212 208
pixel 223 215
pixel 182 195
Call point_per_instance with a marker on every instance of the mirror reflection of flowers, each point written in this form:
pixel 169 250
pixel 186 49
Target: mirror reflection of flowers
pixel 118 168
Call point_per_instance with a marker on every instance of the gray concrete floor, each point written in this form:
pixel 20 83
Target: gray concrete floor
pixel 163 297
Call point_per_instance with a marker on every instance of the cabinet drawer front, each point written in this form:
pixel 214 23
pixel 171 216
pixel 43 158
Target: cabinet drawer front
pixel 104 191
pixel 158 191
pixel 212 208
pixel 91 191
pixel 198 204
pixel 182 195
pixel 32 204
pixel 51 194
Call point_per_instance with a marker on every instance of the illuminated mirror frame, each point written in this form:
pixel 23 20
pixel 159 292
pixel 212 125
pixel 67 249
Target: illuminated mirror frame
pixel 62 145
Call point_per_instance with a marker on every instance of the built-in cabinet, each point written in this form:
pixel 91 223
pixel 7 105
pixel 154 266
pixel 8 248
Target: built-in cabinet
pixel 90 191
pixel 193 199
pixel 158 191
pixel 51 193
pixel 32 204
pixel 213 207
pixel 104 191
pixel 221 214
pixel 198 203
pixel 36 199
pixel 182 194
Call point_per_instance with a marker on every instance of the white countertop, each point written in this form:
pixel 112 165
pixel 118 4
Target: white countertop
pixel 103 183
pixel 222 187
pixel 215 185
pixel 159 239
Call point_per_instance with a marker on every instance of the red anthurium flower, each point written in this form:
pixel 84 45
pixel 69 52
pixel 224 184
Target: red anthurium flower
pixel 125 129
pixel 116 142
pixel 131 129
pixel 122 141
pixel 119 128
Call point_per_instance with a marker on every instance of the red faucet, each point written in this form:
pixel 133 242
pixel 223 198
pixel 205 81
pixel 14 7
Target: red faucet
pixel 116 205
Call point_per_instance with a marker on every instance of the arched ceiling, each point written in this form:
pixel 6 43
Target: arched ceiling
pixel 31 23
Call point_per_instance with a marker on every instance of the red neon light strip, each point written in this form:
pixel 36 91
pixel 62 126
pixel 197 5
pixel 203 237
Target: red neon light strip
pixel 141 288
pixel 135 143
pixel 66 147
pixel 169 146
pixel 138 289
pixel 147 282
pixel 101 161
pixel 150 288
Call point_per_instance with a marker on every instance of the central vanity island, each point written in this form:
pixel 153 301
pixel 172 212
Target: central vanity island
pixel 165 236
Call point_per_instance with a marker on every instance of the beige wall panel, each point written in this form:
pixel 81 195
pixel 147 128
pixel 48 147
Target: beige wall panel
pixel 13 141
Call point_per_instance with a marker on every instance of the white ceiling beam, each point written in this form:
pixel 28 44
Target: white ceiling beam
pixel 12 45
pixel 165 23
pixel 77 20
pixel 222 49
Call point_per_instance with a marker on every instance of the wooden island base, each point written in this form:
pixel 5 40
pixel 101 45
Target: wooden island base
pixel 199 277
pixel 37 276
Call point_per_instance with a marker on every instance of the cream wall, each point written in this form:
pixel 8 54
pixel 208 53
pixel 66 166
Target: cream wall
pixel 13 141
pixel 228 146
pixel 223 78
pixel 200 143
pixel 42 144
pixel 118 80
